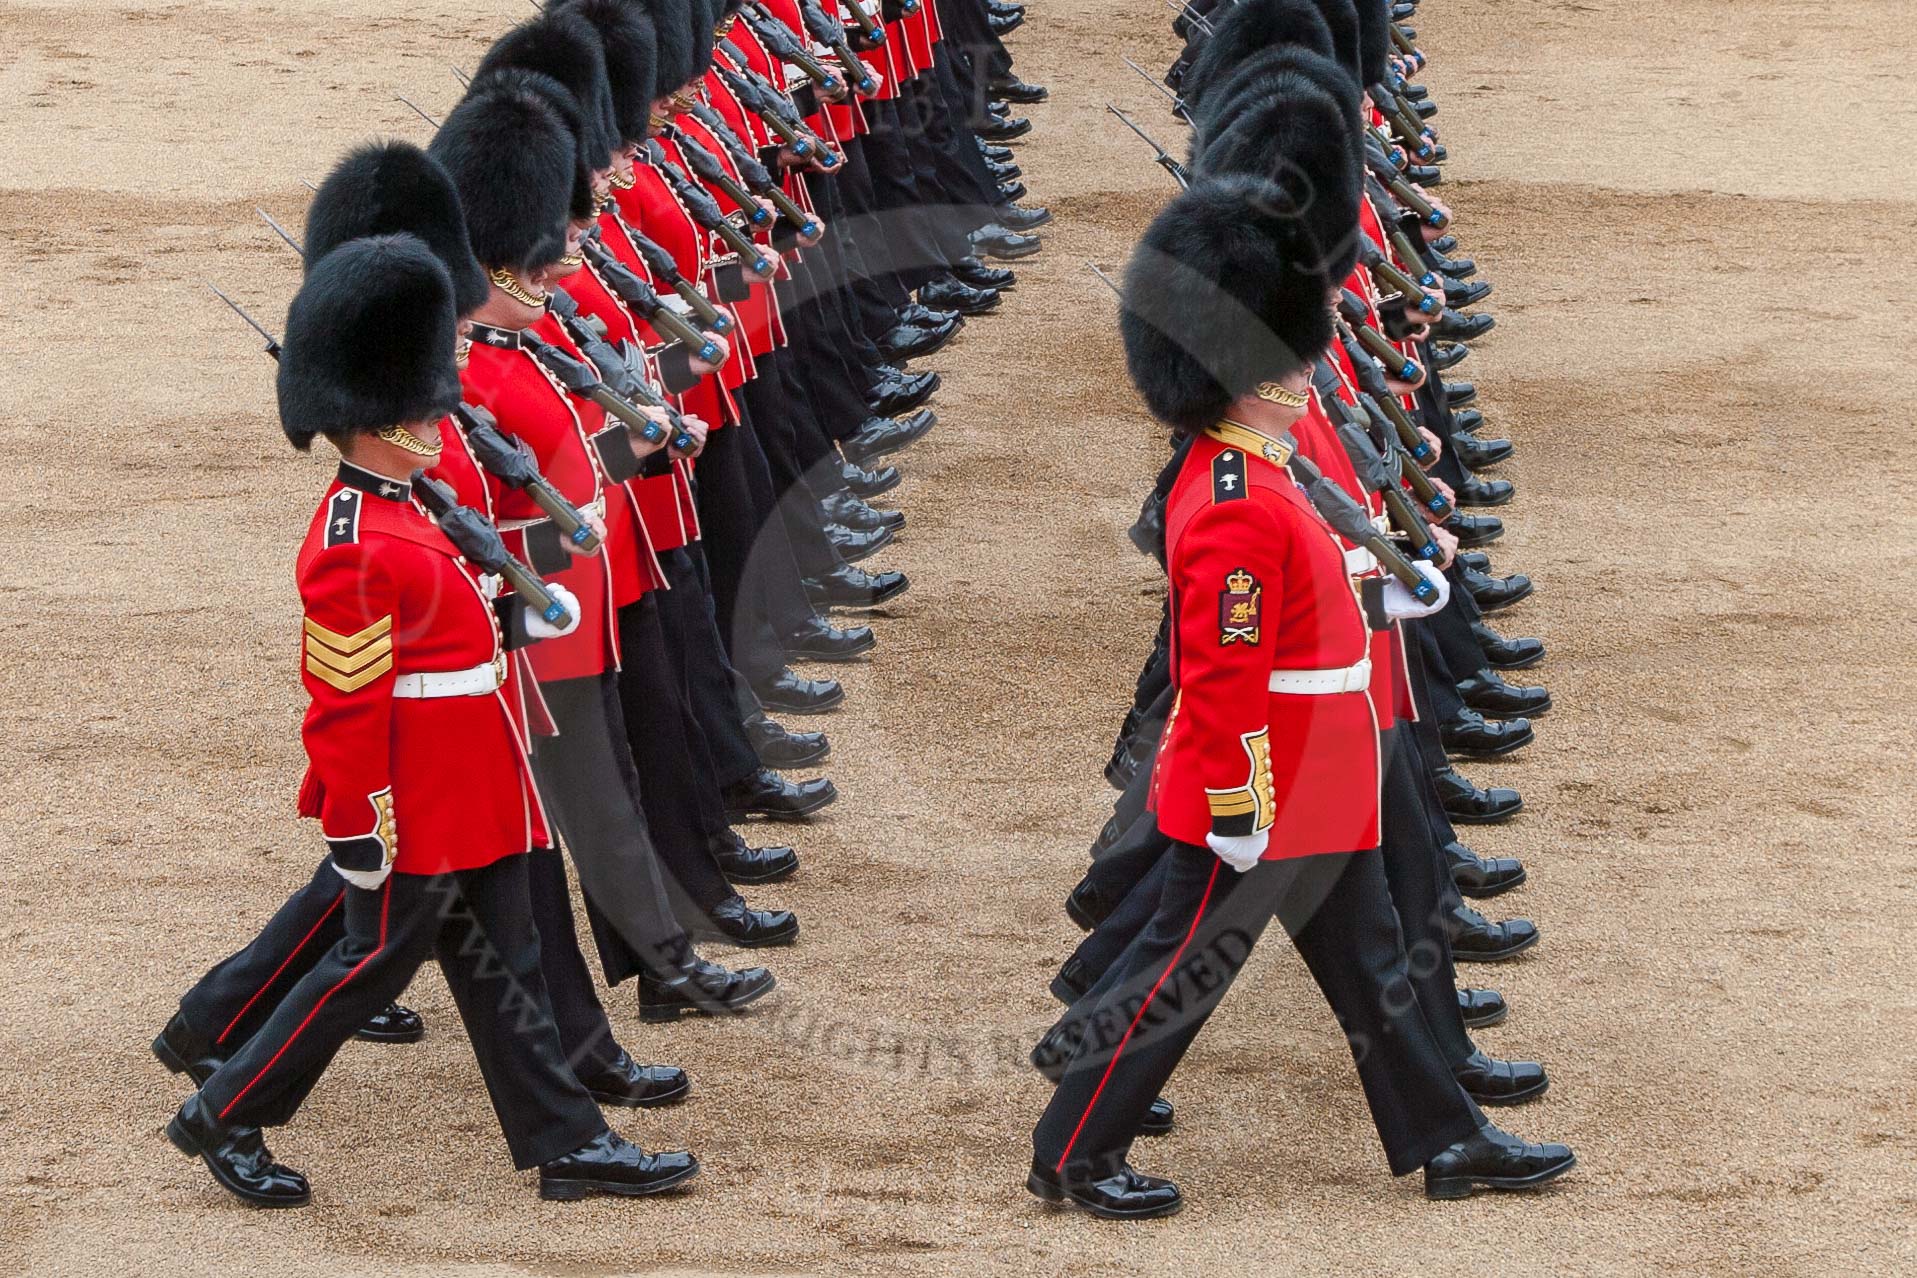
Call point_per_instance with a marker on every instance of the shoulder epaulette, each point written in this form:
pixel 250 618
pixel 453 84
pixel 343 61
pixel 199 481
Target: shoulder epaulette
pixel 342 518
pixel 1228 477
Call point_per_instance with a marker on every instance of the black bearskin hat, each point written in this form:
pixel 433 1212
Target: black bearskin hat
pixel 565 47
pixel 672 24
pixel 1220 296
pixel 1286 126
pixel 632 58
pixel 1249 28
pixel 369 341
pixel 1342 17
pixel 1374 40
pixel 384 188
pixel 514 161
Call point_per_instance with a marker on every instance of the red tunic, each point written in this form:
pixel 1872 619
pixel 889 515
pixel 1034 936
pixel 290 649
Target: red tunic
pixel 1258 585
pixel 443 782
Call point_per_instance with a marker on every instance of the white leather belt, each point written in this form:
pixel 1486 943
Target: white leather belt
pixel 1359 561
pixel 1322 683
pixel 477 682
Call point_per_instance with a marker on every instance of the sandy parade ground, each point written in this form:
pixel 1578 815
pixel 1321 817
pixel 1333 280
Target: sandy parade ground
pixel 1697 216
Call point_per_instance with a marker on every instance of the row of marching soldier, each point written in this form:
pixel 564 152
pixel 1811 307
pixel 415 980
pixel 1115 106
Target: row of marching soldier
pixel 1292 316
pixel 617 367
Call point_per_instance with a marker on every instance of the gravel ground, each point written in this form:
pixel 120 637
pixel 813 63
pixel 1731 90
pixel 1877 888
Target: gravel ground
pixel 1694 214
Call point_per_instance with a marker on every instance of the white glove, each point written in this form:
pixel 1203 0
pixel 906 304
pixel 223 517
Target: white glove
pixel 539 628
pixel 1401 605
pixel 1239 851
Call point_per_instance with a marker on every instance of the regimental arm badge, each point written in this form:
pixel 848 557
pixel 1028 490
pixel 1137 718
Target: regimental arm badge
pixel 1240 609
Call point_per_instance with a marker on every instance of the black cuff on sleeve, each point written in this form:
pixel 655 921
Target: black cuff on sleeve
pixel 675 369
pixel 1371 597
pixel 730 283
pixel 544 551
pixel 614 444
pixel 362 855
pixel 511 612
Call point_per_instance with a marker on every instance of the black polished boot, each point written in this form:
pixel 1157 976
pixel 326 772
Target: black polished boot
pixel 185 1051
pixel 1487 693
pixel 1481 1008
pixel 1448 355
pixel 1476 939
pixel 767 794
pixel 1475 530
pixel 913 341
pixel 1456 327
pixel 1086 908
pixel 1466 804
pixel 855 547
pixel 820 640
pixel 867 484
pixel 736 923
pixel 849 587
pixel 1492 1159
pixel 237 1157
pixel 950 293
pixel 975 272
pixel 1003 244
pixel 631 1085
pixel 1466 420
pixel 899 392
pixel 393 1023
pixel 1464 292
pixel 1486 492
pixel 1494 593
pixel 1159 1119
pixel 1123 1195
pixel 779 747
pixel 1012 89
pixel 881 436
pixel 1482 877
pixel 1458 394
pixel 748 865
pixel 1470 733
pixel 701 988
pixel 793 695
pixel 847 511
pixel 1507 654
pixel 1071 982
pixel 1490 1081
pixel 1022 220
pixel 998 128
pixel 612 1165
pixel 1476 454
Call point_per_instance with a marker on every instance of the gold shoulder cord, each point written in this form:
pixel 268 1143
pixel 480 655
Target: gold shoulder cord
pixel 400 437
pixel 509 284
pixel 1273 393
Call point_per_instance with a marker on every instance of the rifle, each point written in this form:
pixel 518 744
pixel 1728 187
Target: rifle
pixel 507 459
pixel 783 45
pixel 281 231
pixel 1413 259
pixel 869 31
pixel 660 263
pixel 830 32
pixel 618 372
pixel 1191 15
pixel 756 176
pixel 1375 345
pixel 633 290
pixel 272 342
pixel 1378 474
pixel 1349 520
pixel 707 166
pixel 1178 103
pixel 1410 133
pixel 480 543
pixel 1407 195
pixel 579 379
pixel 1165 159
pixel 1387 275
pixel 705 211
pixel 771 106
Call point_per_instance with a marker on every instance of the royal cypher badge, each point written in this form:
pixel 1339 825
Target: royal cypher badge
pixel 1240 609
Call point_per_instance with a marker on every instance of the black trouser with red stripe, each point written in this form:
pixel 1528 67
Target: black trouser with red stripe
pixel 478 924
pixel 236 997
pixel 1137 1022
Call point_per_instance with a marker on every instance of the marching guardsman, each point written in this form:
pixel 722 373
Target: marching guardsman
pixel 1267 778
pixel 515 159
pixel 415 769
pixel 383 189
